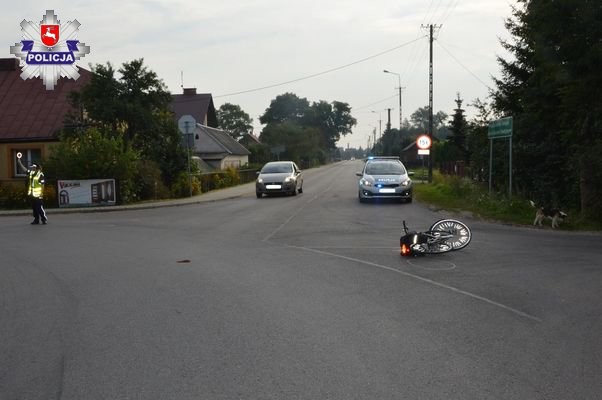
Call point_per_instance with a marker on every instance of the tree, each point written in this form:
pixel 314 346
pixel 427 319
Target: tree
pixel 420 119
pixel 93 155
pixel 287 107
pixel 550 89
pixel 134 107
pixel 329 120
pixel 142 96
pixel 300 144
pixel 232 119
pixel 458 128
pixel 332 119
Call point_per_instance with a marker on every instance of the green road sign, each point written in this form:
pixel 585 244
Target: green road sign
pixel 500 128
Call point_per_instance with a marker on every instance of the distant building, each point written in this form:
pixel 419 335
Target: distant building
pixel 199 106
pixel 410 157
pixel 218 149
pixel 30 116
pixel 213 148
pixel 249 139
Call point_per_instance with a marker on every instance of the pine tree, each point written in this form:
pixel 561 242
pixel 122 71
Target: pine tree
pixel 550 88
pixel 458 128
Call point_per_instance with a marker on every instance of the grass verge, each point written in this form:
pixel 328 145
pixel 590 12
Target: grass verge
pixel 462 195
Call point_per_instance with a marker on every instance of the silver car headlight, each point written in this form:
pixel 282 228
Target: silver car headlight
pixel 407 182
pixel 365 182
pixel 259 180
pixel 288 179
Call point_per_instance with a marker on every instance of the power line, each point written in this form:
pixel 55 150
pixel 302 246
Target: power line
pixel 451 7
pixel 417 56
pixel 321 73
pixel 375 103
pixel 428 10
pixel 463 66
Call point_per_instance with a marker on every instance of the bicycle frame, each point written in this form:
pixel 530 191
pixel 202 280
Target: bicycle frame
pixel 454 235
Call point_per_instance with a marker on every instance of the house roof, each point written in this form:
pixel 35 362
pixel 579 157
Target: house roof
pixel 220 143
pixel 202 164
pixel 200 106
pixel 409 146
pixel 248 139
pixel 29 112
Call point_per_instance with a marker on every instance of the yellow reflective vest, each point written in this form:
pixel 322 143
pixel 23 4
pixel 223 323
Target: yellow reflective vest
pixel 36 184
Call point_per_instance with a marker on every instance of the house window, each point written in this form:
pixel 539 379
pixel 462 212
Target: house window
pixel 29 156
pixel 232 164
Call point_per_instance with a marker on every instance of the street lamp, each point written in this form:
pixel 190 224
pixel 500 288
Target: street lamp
pixel 400 88
pixel 380 120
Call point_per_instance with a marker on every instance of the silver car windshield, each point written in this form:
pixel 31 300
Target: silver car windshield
pixel 385 168
pixel 277 168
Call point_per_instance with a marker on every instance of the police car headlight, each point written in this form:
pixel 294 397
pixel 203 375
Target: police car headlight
pixel 365 182
pixel 407 182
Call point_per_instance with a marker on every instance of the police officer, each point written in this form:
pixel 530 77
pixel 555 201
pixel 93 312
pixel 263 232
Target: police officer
pixel 35 190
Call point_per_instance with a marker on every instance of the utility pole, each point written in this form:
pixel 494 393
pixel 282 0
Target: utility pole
pixel 388 119
pixel 430 132
pixel 374 142
pixel 380 120
pixel 400 89
pixel 431 101
pixel 400 118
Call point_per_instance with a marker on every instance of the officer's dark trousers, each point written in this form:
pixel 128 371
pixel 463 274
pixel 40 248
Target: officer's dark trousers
pixel 38 210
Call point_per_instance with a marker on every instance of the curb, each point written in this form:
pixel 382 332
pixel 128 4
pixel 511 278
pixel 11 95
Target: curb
pixel 212 196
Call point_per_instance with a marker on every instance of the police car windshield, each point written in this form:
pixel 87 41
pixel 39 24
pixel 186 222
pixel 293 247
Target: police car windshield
pixel 384 168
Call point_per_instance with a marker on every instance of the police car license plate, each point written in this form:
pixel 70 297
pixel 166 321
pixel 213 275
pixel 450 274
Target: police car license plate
pixel 386 190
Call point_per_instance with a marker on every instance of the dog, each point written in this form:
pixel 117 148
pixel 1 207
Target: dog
pixel 555 214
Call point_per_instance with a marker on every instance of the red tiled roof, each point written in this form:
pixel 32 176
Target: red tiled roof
pixel 29 112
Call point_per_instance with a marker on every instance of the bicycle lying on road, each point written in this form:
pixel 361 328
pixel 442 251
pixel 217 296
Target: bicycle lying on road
pixel 443 236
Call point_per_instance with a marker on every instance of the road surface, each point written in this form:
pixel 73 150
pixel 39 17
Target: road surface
pixel 302 297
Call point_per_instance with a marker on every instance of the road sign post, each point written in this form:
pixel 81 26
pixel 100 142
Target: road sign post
pixel 186 125
pixel 424 142
pixel 501 129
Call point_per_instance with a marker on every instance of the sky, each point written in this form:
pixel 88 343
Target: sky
pixel 247 52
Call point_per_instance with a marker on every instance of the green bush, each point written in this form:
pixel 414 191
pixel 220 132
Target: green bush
pixel 181 187
pixel 150 183
pixel 14 197
pixel 92 155
pixel 461 194
pixel 221 179
pixel 231 177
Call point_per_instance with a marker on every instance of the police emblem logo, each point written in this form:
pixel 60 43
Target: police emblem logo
pixel 53 51
pixel 49 34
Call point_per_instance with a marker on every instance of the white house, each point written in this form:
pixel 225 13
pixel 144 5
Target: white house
pixel 218 149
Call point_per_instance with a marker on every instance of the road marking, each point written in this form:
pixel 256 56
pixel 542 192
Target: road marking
pixel 289 219
pixel 407 274
pixel 426 280
pixel 439 266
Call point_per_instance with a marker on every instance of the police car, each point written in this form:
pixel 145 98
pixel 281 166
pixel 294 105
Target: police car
pixel 384 178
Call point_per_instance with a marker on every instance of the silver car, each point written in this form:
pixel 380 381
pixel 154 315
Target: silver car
pixel 279 177
pixel 384 178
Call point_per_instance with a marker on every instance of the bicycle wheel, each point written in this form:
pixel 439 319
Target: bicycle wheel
pixel 461 234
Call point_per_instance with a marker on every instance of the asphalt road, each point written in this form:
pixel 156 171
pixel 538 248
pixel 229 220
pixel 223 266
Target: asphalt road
pixel 301 297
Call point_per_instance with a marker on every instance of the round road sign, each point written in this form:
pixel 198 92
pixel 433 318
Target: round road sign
pixel 423 142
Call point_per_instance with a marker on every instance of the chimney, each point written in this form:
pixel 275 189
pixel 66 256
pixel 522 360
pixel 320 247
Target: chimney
pixel 9 64
pixel 189 91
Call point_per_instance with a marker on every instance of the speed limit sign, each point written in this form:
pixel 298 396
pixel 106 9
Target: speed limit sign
pixel 423 142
